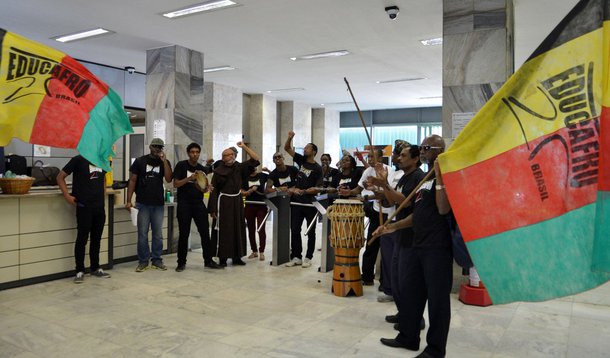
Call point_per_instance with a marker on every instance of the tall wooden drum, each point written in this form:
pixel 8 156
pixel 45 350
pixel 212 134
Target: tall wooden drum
pixel 346 237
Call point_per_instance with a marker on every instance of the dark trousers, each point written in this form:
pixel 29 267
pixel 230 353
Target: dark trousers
pixel 369 257
pixel 428 276
pixel 387 243
pixel 89 224
pixel 255 214
pixel 197 212
pixel 297 214
pixel 399 258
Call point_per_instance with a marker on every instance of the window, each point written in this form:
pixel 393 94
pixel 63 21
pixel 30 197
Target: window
pixel 352 138
pixel 388 134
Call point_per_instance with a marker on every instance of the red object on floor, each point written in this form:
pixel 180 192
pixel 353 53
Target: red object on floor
pixel 476 296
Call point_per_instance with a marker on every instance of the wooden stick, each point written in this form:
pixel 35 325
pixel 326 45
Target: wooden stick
pixel 403 204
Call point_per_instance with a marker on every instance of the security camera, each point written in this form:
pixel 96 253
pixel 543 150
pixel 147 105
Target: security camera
pixel 392 12
pixel 130 69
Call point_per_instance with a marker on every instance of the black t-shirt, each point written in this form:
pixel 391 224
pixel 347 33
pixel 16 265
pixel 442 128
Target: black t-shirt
pixel 309 176
pixel 149 187
pixel 431 228
pixel 405 185
pixel 284 178
pixel 88 182
pixel 349 181
pixel 189 191
pixel 260 180
pixel 328 177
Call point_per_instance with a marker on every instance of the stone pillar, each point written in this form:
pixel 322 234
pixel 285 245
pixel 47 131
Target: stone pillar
pixel 325 132
pixel 260 126
pixel 174 98
pixel 222 119
pixel 295 117
pixel 477 54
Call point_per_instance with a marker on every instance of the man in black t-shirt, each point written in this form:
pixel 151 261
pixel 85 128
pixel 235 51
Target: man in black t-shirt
pixel 146 180
pixel 308 178
pixel 429 263
pixel 88 191
pixel 191 206
pixel 283 177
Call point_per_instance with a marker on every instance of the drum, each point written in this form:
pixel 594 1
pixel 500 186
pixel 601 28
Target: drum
pixel 346 237
pixel 347 224
pixel 202 180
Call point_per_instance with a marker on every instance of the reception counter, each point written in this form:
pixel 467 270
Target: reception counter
pixel 38 230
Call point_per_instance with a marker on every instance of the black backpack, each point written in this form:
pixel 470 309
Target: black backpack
pixel 16 164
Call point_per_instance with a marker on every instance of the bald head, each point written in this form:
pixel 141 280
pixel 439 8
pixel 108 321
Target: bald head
pixel 430 148
pixel 228 156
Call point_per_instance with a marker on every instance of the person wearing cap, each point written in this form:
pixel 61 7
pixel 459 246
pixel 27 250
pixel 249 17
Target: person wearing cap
pixel 146 181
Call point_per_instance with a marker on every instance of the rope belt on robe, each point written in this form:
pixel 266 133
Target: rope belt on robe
pixel 217 227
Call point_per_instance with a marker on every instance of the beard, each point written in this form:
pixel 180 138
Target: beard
pixel 424 160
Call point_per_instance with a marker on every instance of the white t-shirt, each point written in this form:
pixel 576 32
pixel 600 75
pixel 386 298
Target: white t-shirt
pixel 370 171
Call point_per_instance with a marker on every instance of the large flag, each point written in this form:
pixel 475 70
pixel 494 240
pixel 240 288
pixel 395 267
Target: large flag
pixel 48 98
pixel 529 177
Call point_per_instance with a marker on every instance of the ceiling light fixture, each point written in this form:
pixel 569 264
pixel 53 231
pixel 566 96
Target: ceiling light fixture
pixel 204 6
pixel 321 55
pixel 402 80
pixel 82 35
pixel 286 90
pixel 219 68
pixel 432 42
pixel 432 97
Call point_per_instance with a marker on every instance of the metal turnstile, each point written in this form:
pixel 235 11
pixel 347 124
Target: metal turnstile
pixel 279 204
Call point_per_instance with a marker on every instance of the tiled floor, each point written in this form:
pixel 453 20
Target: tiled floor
pixel 264 311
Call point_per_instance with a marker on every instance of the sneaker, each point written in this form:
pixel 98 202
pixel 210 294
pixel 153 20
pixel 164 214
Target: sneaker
pixel 294 262
pixel 238 262
pixel 384 298
pixel 392 318
pixel 306 263
pixel 253 255
pixel 213 265
pixel 261 257
pixel 80 277
pixel 100 273
pixel 159 266
pixel 180 268
pixel 142 267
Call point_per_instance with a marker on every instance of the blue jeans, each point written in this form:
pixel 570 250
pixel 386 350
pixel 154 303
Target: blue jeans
pixel 150 216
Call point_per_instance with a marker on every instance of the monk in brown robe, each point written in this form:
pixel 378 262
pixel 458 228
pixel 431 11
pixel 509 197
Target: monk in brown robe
pixel 226 205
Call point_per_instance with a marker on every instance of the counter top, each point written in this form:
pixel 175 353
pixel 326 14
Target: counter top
pixel 42 191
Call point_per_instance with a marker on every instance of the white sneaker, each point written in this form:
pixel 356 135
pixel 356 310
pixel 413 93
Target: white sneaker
pixel 384 298
pixel 295 261
pixel 306 263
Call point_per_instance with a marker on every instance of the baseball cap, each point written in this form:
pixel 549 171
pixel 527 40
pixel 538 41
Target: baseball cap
pixel 399 145
pixel 157 141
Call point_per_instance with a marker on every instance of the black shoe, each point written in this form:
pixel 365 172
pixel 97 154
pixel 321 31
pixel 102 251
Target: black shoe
pixel 213 265
pixel 396 327
pixel 391 342
pixel 180 268
pixel 367 283
pixel 422 324
pixel 424 354
pixel 392 318
pixel 238 261
pixel 222 263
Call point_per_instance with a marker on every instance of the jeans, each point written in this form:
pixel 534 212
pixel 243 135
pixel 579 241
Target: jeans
pixel 150 216
pixel 89 223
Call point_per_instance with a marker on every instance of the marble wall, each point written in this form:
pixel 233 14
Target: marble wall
pixel 260 126
pixel 477 54
pixel 174 98
pixel 222 119
pixel 325 131
pixel 295 117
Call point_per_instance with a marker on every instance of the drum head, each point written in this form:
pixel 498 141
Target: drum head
pixel 202 180
pixel 348 202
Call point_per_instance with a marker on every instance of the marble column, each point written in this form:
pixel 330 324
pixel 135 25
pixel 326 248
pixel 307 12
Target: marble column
pixel 260 126
pixel 174 98
pixel 295 117
pixel 222 119
pixel 477 54
pixel 325 132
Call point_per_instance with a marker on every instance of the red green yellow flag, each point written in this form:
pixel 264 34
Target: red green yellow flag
pixel 48 98
pixel 529 177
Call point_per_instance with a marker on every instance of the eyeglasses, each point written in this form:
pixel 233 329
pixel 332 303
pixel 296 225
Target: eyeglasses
pixel 277 157
pixel 428 147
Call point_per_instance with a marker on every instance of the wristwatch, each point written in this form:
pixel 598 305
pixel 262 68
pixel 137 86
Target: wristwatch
pixel 439 187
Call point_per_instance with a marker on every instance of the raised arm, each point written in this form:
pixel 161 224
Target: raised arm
pixel 250 152
pixel 288 145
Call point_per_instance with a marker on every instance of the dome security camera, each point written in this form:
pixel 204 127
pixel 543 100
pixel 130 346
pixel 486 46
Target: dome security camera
pixel 392 12
pixel 130 69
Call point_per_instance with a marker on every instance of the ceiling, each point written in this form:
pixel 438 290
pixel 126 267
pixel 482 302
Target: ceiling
pixel 259 36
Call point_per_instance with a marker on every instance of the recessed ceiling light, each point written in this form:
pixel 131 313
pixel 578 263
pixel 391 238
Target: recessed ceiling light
pixel 432 42
pixel 81 35
pixel 402 80
pixel 321 55
pixel 432 97
pixel 204 6
pixel 219 68
pixel 286 90
pixel 338 103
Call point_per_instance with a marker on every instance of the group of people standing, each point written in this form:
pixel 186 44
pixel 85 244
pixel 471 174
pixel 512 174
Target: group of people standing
pixel 416 248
